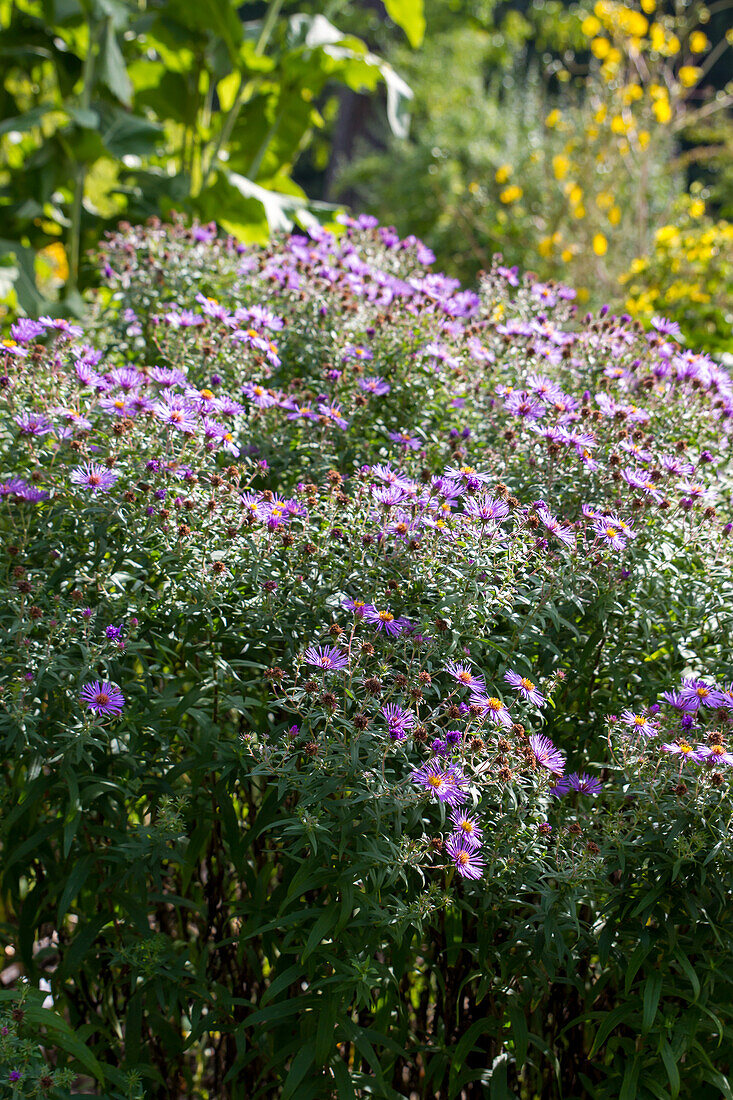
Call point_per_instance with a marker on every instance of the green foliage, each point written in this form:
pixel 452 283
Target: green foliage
pixel 111 109
pixel 232 881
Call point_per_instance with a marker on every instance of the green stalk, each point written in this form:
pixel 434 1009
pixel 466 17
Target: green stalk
pixel 80 171
pixel 240 99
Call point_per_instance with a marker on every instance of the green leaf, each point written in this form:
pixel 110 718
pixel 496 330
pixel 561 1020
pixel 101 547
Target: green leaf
pixel 670 1064
pixel 652 991
pixel 112 70
pixel 410 16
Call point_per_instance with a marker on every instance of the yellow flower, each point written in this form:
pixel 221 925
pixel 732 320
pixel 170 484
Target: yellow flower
pixel 672 46
pixel 575 194
pixel 698 42
pixel 619 125
pixel 600 47
pixel 604 200
pixel 689 75
pixel 553 118
pixel 600 115
pixel 590 26
pixel 560 166
pixel 545 247
pixel 511 194
pixel 566 255
pixel 473 187
pixel 666 234
pixel 503 172
pixel 583 294
pixel 632 92
pixel 657 36
pixel 614 215
pixel 644 139
pixel 579 212
pixel 600 245
pixel 55 255
pixel 648 6
pixel 697 208
pixel 662 110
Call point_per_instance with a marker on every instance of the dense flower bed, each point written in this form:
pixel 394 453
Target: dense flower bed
pixel 367 681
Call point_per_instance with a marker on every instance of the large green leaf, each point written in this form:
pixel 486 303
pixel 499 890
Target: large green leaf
pixel 410 15
pixel 111 66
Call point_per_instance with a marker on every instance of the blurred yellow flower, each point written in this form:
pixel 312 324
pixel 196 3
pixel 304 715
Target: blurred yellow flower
pixel 55 256
pixel 590 26
pixel 648 6
pixel 503 172
pixel 644 139
pixel 689 75
pixel 473 187
pixel 619 125
pixel 662 110
pixel 600 245
pixel 511 194
pixel 673 45
pixel 579 212
pixel 698 42
pixel 600 47
pixel 614 215
pixel 566 255
pixel 600 115
pixel 560 166
pixel 697 208
pixel 553 118
pixel 575 194
pixel 657 37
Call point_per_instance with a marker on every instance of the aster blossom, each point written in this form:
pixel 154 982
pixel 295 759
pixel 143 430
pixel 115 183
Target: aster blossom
pixel 465 857
pixel 493 708
pixel 103 697
pixel 466 828
pixel 399 721
pixel 445 781
pixel 463 674
pixel 93 476
pixel 577 781
pixel 547 754
pixel 329 658
pixel 524 687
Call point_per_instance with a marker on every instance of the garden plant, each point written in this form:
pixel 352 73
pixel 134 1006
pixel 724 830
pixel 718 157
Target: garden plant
pixel 366 703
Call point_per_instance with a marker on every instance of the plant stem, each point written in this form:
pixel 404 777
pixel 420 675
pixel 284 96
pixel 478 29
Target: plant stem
pixel 80 170
pixel 240 99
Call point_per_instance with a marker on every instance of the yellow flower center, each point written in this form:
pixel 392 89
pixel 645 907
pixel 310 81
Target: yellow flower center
pixel 495 704
pixel 527 684
pixel 463 858
pixel 386 616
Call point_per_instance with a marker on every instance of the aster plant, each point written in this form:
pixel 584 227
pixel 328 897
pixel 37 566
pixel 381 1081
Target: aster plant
pixel 367 693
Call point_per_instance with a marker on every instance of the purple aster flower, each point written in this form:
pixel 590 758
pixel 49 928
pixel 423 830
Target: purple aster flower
pixel 525 688
pixel 383 620
pixel 93 476
pixel 444 781
pixel 103 698
pixel 328 658
pixel 493 708
pixel 466 827
pixel 453 737
pixel 409 442
pixel 463 674
pixel 33 424
pixel 666 327
pixel 375 385
pixel 640 723
pixel 259 396
pixel 466 858
pixel 24 330
pixel 486 510
pixel 683 749
pixel 399 721
pixel 714 754
pixel 439 747
pixel 358 607
pixel 577 781
pixel 546 754
pixel 112 632
pixel 119 405
pixel 357 351
pixel 553 525
pixel 14 1075
pixel 696 693
pixel 178 413
pixel 610 533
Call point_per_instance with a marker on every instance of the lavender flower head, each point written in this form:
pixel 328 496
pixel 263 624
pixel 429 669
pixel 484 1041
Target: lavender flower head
pixel 94 477
pixel 525 688
pixel 465 858
pixel 466 828
pixel 444 781
pixel 547 754
pixel 577 781
pixel 103 698
pixel 328 658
